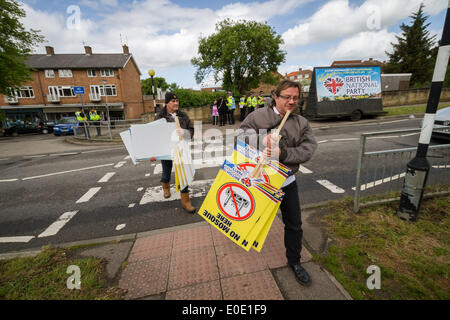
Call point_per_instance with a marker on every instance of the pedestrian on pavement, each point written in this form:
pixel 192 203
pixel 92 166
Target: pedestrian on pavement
pixel 243 107
pixel 168 113
pixel 94 116
pixel 296 146
pixel 215 113
pixel 261 100
pixel 223 111
pixel 82 123
pixel 231 105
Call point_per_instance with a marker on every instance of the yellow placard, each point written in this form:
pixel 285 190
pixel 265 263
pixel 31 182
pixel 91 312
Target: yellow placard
pixel 235 203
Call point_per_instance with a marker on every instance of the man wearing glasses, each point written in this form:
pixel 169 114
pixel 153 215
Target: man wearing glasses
pixel 296 146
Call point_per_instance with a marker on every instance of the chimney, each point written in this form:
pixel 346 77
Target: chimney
pixel 50 50
pixel 88 50
pixel 126 51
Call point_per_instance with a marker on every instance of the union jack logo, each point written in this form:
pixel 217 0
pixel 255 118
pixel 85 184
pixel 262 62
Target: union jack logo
pixel 334 85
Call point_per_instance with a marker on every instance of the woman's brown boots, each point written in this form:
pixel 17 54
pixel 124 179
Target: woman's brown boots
pixel 186 203
pixel 166 189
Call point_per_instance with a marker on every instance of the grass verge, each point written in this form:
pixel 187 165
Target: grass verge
pixel 44 277
pixel 407 110
pixel 413 257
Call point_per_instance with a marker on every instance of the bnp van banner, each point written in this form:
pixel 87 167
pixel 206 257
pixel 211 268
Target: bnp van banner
pixel 241 207
pixel 337 84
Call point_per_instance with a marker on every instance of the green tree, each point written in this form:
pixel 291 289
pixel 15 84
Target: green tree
pixel 415 52
pixel 240 55
pixel 16 44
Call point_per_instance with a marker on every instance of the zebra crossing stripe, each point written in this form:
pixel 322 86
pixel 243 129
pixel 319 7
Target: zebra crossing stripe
pixel 58 224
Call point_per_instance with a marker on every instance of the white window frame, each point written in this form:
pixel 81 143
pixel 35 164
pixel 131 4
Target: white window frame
pixel 104 89
pixel 90 73
pixel 65 73
pixel 300 76
pixel 107 73
pixel 49 73
pixel 291 77
pixel 60 91
pixel 307 76
pixel 27 88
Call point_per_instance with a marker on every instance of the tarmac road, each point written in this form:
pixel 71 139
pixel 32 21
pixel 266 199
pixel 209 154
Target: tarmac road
pixel 53 192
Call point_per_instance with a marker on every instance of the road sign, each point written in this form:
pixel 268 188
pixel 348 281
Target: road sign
pixel 78 90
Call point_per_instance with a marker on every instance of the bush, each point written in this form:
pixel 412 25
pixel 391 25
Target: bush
pixel 189 98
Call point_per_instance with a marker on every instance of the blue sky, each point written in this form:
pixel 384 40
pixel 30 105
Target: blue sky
pixel 163 34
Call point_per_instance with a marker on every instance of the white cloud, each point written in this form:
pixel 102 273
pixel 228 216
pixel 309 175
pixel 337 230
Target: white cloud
pixel 338 19
pixel 364 45
pixel 259 11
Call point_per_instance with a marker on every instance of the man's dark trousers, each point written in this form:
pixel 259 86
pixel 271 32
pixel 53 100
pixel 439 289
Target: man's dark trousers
pixel 231 116
pixel 167 171
pixel 291 213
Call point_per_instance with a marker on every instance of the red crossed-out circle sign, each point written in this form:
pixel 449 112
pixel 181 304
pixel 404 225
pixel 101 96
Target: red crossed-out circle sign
pixel 250 166
pixel 235 201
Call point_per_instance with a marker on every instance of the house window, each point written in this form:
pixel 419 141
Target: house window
pixel 291 77
pixel 49 73
pixel 300 76
pixel 107 72
pixel 65 73
pixel 62 91
pixel 109 89
pixel 306 76
pixel 25 92
pixel 92 73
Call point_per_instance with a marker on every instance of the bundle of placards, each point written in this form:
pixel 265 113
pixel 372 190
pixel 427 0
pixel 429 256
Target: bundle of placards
pixel 159 139
pixel 243 207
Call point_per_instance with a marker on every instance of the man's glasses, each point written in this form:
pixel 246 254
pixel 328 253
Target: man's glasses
pixel 289 98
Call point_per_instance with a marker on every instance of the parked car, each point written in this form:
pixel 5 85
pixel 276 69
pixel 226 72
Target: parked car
pixel 14 128
pixel 65 125
pixel 442 119
pixel 46 126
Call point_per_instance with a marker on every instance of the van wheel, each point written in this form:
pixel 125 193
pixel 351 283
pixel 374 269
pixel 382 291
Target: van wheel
pixel 356 115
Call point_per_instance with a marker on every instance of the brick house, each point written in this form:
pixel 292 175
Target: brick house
pixel 111 82
pixel 299 75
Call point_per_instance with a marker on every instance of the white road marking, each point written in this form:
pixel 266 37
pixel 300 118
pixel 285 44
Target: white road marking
pixel 409 134
pixel 445 166
pixel 92 151
pixel 382 137
pixel 88 195
pixel 140 189
pixel 147 174
pixel 322 141
pixel 120 164
pixel 63 154
pixel 155 194
pixel 4 159
pixel 131 205
pixel 9 180
pixel 333 188
pixel 378 182
pixel 62 172
pixel 39 156
pixel 127 157
pixel 16 239
pixel 106 177
pixel 120 226
pixel 304 170
pixel 345 139
pixel 58 224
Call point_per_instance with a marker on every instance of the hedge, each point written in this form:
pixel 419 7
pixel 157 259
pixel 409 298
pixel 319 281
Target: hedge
pixel 189 98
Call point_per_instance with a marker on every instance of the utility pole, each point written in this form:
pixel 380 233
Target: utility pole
pixel 418 168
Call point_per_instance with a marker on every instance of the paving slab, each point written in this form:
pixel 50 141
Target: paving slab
pixel 321 288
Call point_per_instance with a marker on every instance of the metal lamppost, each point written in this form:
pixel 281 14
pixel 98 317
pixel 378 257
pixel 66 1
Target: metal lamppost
pixel 107 109
pixel 151 73
pixel 418 168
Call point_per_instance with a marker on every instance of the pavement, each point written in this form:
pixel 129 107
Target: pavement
pixel 197 262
